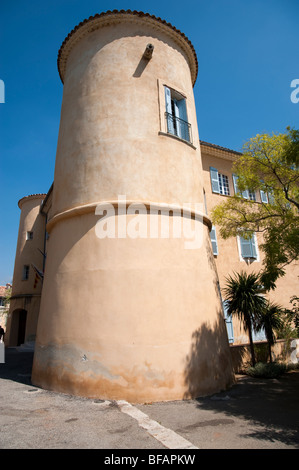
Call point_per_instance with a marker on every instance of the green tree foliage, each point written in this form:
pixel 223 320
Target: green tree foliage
pixel 269 163
pixel 271 321
pixel 242 296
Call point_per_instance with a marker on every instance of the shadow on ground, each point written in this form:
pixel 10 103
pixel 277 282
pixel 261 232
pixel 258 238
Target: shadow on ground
pixel 270 403
pixel 17 366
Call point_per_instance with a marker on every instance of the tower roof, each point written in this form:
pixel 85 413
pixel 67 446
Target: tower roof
pixel 110 17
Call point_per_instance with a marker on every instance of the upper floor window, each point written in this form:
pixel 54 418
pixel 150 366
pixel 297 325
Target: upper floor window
pixel 176 115
pixel 264 196
pixel 223 184
pixel 29 235
pixel 25 275
pixel 247 194
pixel 219 182
pixel 248 247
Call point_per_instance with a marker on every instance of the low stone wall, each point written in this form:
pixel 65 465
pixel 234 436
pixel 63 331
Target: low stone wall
pixel 283 351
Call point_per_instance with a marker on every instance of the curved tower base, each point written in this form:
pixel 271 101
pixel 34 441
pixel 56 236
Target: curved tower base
pixel 142 319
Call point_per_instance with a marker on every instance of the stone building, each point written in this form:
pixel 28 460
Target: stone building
pixel 128 300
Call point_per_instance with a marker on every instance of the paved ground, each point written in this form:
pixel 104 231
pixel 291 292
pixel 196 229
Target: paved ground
pixel 253 414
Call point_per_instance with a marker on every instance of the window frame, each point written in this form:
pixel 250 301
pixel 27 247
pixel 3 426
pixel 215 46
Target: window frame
pixel 217 182
pixel 26 272
pixel 254 245
pixel 176 115
pixel 163 131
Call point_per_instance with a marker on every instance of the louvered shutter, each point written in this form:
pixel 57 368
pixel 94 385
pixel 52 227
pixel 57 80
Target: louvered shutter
pixel 264 196
pixel 170 126
pixel 214 240
pixel 245 193
pixel 214 180
pixel 229 324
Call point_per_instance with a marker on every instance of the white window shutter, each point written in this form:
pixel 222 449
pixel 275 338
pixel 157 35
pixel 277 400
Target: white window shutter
pixel 214 240
pixel 168 100
pixel 264 196
pixel 229 324
pixel 253 247
pixel 170 127
pixel 214 180
pixel 235 181
pixel 245 193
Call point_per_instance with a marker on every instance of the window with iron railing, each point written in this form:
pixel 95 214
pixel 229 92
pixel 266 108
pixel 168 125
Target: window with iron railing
pixel 176 115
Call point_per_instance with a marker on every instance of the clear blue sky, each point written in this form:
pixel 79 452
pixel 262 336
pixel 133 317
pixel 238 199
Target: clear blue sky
pixel 247 52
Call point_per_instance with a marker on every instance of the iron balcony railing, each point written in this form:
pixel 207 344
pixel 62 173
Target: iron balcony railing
pixel 178 127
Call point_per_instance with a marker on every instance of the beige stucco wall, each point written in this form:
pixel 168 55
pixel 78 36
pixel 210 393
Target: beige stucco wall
pixel 24 295
pixel 229 260
pixel 137 319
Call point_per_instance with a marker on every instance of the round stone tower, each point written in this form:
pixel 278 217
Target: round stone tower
pixel 27 282
pixel 130 305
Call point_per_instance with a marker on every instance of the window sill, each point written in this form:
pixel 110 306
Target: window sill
pixel 219 194
pixel 177 138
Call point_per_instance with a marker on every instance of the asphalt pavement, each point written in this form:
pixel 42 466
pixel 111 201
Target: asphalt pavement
pixel 253 414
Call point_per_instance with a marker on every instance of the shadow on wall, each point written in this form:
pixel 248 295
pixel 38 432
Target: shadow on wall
pixel 209 366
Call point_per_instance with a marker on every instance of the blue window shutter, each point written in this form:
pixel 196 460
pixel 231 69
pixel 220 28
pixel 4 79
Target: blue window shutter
pixel 259 335
pixel 245 247
pixel 229 324
pixel 245 193
pixel 264 196
pixel 248 247
pixel 235 181
pixel 170 127
pixel 214 240
pixel 214 180
pixel 181 104
pixel 183 128
pixel 253 247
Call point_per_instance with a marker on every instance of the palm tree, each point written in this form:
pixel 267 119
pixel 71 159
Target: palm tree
pixel 243 299
pixel 271 320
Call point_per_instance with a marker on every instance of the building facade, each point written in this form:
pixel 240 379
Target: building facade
pixel 129 300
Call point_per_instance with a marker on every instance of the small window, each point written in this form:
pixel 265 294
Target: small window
pixel 214 241
pixel 259 335
pixel 176 115
pixel 25 272
pixel 29 236
pixel 264 196
pixel 247 194
pixel 223 184
pixel 248 248
pixel 219 182
pixel 229 324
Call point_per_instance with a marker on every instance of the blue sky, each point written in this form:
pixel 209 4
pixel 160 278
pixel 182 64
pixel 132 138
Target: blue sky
pixel 247 54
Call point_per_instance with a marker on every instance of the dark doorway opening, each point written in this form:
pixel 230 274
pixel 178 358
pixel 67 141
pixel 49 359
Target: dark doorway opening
pixel 22 327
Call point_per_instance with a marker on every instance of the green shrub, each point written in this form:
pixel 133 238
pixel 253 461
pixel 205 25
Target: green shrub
pixel 267 370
